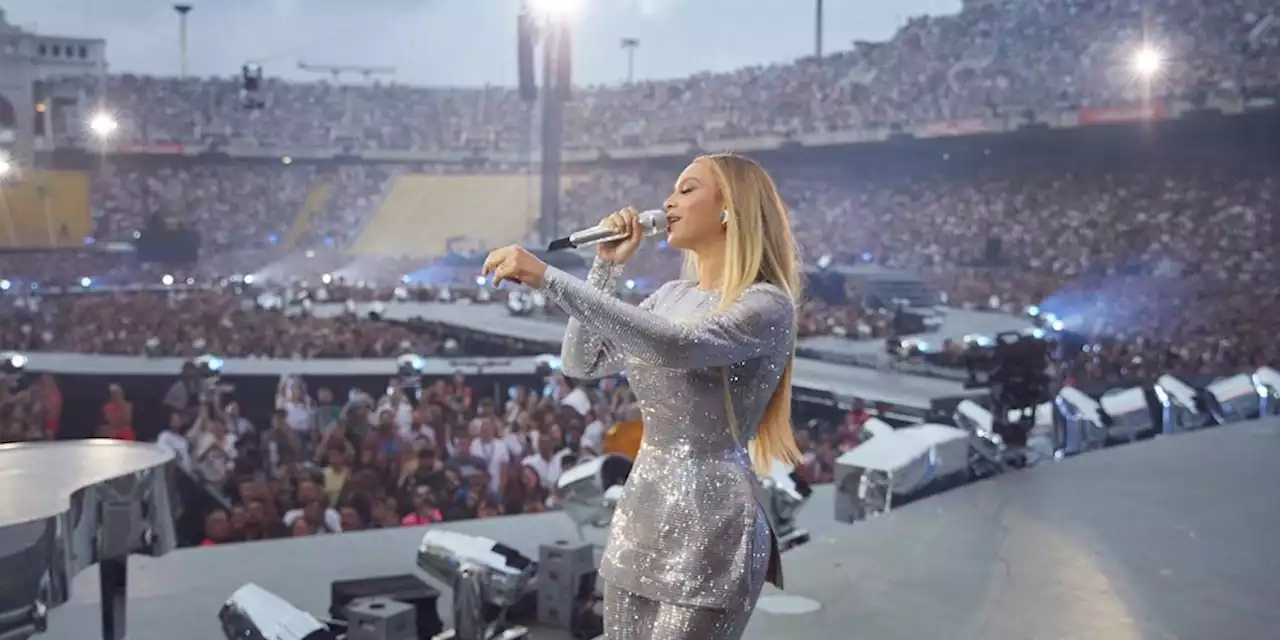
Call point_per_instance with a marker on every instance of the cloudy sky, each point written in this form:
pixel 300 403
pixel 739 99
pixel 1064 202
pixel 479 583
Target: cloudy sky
pixel 460 42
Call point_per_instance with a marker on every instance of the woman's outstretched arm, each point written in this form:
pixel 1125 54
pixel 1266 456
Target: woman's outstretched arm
pixel 759 322
pixel 587 353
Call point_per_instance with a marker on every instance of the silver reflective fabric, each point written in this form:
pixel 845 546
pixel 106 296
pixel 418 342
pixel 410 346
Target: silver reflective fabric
pixel 688 530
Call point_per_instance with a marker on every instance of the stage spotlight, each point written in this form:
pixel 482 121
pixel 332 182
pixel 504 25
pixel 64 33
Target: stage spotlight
pixel 1234 398
pixel 783 494
pixel 590 491
pixel 1182 408
pixel 902 465
pixel 1084 423
pixel 1128 414
pixel 1267 380
pixel 480 571
pixel 253 613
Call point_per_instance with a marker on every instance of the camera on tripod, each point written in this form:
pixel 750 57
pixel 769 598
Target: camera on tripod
pixel 1015 368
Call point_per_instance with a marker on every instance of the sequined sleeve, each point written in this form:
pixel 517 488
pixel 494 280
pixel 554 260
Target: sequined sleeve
pixel 757 323
pixel 587 353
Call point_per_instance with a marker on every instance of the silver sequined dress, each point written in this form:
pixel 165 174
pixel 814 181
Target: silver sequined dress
pixel 688 530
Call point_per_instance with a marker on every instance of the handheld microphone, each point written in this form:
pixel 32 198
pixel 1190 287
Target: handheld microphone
pixel 652 222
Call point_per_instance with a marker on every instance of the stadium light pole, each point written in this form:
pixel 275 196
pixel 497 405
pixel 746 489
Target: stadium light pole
pixel 182 10
pixel 553 19
pixel 630 45
pixel 817 29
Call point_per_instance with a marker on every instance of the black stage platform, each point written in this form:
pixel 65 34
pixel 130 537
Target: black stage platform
pixel 1170 538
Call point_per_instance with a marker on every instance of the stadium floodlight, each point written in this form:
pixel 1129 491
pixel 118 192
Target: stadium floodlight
pixel 1234 398
pixel 1147 61
pixel 253 613
pixel 589 492
pixel 556 10
pixel 103 125
pixel 480 571
pixel 1267 380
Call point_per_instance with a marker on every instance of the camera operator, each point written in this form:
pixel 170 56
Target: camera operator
pixel 399 401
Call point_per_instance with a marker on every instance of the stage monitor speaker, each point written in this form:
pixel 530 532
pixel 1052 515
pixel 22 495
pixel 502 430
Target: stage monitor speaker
pixel 406 588
pixel 526 34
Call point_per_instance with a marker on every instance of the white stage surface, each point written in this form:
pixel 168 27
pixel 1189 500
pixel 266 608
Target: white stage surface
pixel 1170 538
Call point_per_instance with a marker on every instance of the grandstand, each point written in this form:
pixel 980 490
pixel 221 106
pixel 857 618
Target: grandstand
pixel 425 216
pixel 1012 162
pixel 317 198
pixel 45 209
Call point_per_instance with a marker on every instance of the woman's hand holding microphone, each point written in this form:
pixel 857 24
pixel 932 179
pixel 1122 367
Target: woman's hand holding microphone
pixel 620 251
pixel 514 263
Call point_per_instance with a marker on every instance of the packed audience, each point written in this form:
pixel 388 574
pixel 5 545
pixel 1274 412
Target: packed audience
pixel 408 458
pixel 1160 259
pixel 1159 263
pixel 325 461
pixel 993 59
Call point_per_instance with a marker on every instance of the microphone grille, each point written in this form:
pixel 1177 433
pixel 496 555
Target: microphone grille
pixel 654 220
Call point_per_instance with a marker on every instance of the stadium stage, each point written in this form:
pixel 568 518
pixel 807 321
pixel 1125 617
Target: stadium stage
pixel 1170 538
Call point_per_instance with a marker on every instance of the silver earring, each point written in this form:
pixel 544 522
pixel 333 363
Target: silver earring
pixel 724 217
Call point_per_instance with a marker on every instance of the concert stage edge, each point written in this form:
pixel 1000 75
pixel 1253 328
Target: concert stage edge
pixel 1160 539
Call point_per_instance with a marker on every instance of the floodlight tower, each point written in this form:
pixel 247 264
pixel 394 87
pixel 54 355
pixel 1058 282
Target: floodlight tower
pixel 630 45
pixel 548 22
pixel 182 10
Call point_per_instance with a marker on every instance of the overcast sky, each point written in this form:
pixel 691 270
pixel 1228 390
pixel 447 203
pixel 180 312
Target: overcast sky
pixel 460 42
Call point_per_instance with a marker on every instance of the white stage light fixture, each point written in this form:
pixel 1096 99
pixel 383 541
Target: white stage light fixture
pixel 589 492
pixel 1181 407
pixel 900 464
pixel 253 613
pixel 1128 413
pixel 480 571
pixel 1084 423
pixel 1267 380
pixel 783 495
pixel 1234 398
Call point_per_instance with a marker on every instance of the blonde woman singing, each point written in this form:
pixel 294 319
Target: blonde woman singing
pixel 709 358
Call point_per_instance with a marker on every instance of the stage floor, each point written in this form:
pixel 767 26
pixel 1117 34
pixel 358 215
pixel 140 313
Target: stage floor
pixel 1170 538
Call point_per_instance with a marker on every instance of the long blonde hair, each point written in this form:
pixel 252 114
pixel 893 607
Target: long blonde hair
pixel 759 248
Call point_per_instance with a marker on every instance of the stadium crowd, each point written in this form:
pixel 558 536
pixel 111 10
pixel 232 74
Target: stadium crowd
pixel 992 59
pixel 1164 260
pixel 1163 254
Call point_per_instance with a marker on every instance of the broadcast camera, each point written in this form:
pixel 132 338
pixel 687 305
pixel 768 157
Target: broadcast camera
pixel 409 370
pixel 12 366
pixel 1016 370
